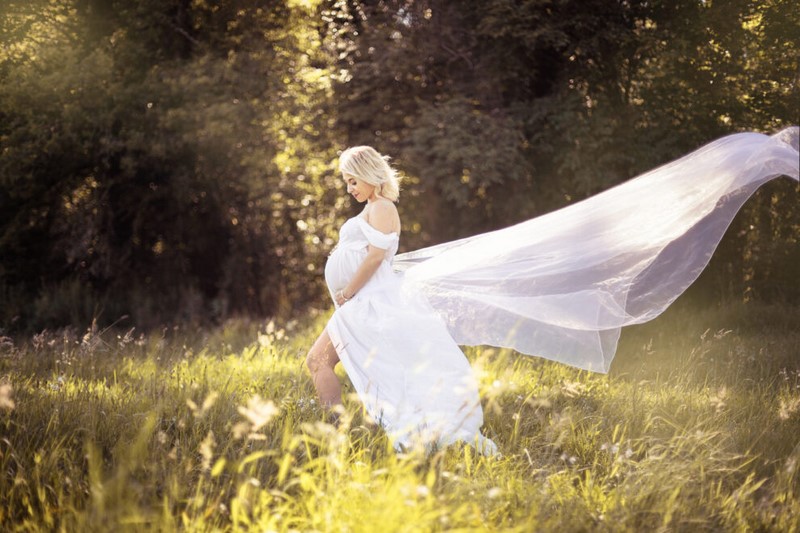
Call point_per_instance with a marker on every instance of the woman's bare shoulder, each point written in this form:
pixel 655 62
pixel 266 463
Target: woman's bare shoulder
pixel 382 206
pixel 383 215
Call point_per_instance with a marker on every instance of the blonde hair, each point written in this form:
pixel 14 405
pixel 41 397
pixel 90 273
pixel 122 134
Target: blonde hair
pixel 365 163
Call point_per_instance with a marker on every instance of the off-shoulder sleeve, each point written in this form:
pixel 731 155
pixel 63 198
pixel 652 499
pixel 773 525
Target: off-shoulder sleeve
pixel 377 238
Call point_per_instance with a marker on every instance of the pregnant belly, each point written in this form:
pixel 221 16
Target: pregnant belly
pixel 340 267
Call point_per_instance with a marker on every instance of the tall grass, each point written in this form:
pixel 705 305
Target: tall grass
pixel 695 428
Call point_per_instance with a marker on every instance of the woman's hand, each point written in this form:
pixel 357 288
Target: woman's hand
pixel 340 297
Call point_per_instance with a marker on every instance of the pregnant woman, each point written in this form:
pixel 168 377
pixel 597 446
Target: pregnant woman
pixel 408 371
pixel 560 286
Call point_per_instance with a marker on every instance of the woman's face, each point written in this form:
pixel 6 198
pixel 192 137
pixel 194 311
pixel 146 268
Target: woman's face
pixel 361 190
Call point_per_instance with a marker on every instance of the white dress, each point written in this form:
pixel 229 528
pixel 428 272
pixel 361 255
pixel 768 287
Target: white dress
pixel 408 372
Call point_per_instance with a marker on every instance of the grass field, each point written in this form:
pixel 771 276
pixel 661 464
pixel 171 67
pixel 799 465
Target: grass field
pixel 696 428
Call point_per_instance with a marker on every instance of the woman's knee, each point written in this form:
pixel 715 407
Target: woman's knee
pixel 313 361
pixel 320 357
pixel 322 354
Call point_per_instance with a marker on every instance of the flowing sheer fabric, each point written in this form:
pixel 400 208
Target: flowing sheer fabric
pixel 561 286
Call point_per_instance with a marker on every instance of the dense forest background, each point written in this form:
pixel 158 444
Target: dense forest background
pixel 172 160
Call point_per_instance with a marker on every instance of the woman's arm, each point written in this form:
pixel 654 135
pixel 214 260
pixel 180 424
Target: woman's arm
pixel 383 217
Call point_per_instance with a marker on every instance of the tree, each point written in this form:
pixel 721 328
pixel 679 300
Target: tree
pixel 146 169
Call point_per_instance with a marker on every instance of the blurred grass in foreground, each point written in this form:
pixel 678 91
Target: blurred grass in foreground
pixel 695 428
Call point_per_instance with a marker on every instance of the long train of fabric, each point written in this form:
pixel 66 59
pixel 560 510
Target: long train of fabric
pixel 560 286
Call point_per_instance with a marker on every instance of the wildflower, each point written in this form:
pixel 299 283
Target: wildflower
pixel 200 412
pixel 572 389
pixel 258 412
pixel 628 453
pixel 127 339
pixel 788 408
pixel 719 400
pixel 270 335
pixel 6 391
pixel 791 465
pixel 39 340
pixel 263 340
pixel 207 450
pixel 6 342
pixel 240 429
pixel 611 448
pixel 571 459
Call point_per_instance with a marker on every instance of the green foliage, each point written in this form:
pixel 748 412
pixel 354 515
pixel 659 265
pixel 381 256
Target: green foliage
pixel 693 428
pixel 153 155
pixel 176 160
pixel 466 151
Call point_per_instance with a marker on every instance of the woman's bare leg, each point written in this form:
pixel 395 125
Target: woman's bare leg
pixel 321 360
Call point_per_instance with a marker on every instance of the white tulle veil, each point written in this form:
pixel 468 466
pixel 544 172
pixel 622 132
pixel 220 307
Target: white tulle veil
pixel 561 285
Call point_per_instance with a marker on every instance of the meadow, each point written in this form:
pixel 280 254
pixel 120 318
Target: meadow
pixel 695 428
